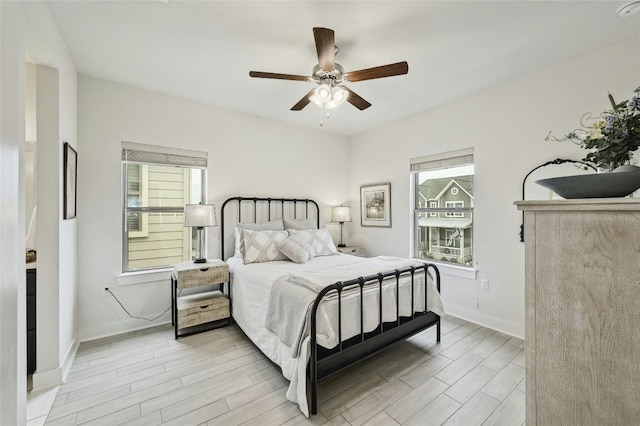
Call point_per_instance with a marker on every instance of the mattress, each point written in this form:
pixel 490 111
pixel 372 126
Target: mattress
pixel 251 290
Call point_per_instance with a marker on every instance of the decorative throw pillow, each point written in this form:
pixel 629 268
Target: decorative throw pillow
pixel 319 239
pixel 300 223
pixel 296 249
pixel 273 225
pixel 261 246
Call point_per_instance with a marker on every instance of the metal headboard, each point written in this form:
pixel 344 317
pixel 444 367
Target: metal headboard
pixel 254 209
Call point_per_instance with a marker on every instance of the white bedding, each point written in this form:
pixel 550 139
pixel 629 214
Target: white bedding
pixel 251 289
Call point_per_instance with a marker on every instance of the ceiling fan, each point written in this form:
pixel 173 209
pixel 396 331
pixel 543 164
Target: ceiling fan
pixel 330 76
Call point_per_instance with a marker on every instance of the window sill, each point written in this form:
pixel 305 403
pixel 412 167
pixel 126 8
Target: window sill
pixel 142 277
pixel 453 270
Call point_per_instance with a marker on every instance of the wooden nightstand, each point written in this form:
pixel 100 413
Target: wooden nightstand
pixel 352 250
pixel 199 308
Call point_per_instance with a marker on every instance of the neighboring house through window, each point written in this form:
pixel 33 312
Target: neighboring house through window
pixel 157 183
pixel 443 231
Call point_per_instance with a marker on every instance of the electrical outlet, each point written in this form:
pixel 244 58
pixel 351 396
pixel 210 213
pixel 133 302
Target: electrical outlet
pixel 484 284
pixel 105 291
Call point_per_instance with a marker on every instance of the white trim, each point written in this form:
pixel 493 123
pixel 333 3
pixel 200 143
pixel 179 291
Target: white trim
pixel 452 270
pixel 497 324
pixel 126 326
pixel 143 277
pixel 46 379
pixel 71 356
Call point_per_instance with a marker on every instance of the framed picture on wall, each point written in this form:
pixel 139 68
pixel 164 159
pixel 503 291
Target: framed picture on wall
pixel 70 181
pixel 375 205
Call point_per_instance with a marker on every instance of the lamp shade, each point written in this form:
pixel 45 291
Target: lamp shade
pixel 341 214
pixel 200 215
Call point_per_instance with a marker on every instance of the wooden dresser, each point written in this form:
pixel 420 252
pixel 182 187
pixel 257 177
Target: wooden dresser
pixel 582 297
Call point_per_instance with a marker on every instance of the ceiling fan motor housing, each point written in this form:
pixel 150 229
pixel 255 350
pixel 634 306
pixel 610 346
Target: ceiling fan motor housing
pixel 320 75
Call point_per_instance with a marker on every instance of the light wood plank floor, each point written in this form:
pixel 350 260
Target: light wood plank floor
pixel 474 376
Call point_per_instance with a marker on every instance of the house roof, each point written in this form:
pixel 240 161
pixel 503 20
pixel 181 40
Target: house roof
pixel 433 188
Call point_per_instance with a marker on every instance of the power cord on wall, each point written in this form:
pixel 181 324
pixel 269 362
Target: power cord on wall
pixel 108 290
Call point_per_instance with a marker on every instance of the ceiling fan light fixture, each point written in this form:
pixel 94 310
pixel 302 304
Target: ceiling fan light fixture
pixel 321 95
pixel 339 94
pixel 324 92
pixel 328 97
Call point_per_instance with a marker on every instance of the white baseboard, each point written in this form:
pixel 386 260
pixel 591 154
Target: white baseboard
pixel 71 356
pixel 46 379
pixel 113 329
pixel 54 377
pixel 506 327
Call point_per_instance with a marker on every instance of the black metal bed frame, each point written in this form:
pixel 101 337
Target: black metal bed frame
pixel 326 362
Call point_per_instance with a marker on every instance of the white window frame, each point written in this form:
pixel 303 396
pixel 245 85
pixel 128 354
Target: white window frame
pixel 143 154
pixel 436 162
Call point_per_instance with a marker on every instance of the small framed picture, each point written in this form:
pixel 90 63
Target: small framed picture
pixel 70 181
pixel 375 205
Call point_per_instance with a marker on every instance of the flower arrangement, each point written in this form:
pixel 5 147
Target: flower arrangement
pixel 613 136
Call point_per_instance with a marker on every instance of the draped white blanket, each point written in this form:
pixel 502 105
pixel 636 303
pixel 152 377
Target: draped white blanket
pixel 252 286
pixel 292 297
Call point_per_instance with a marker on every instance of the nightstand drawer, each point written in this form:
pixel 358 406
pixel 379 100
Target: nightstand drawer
pixel 352 250
pixel 201 308
pixel 211 273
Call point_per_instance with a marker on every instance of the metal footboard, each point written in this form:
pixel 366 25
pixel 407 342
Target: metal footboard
pixel 324 362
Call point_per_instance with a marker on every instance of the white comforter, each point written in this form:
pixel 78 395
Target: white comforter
pixel 292 296
pixel 251 291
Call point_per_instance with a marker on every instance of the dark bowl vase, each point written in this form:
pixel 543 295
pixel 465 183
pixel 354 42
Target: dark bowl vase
pixel 621 182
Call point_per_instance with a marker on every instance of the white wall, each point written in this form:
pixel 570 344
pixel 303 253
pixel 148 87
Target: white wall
pixel 507 125
pixel 248 156
pixel 13 389
pixel 56 117
pixel 29 28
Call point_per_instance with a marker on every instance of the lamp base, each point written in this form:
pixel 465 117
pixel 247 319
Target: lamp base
pixel 199 260
pixel 342 245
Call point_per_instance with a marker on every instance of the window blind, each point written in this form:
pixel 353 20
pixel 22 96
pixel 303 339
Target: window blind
pixel 151 154
pixel 443 160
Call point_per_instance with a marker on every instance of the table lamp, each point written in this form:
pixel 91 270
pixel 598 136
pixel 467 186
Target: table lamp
pixel 199 216
pixel 341 214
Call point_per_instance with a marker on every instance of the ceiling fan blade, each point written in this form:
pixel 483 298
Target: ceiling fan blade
pixel 260 74
pixel 356 100
pixel 390 70
pixel 326 48
pixel 303 102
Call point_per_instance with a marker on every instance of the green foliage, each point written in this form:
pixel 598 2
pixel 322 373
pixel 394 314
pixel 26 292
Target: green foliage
pixel 614 135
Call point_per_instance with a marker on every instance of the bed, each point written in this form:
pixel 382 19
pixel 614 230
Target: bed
pixel 317 315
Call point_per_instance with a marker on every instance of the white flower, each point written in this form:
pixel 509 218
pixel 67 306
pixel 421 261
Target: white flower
pixel 596 134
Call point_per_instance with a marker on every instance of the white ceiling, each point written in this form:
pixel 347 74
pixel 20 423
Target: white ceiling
pixel 204 50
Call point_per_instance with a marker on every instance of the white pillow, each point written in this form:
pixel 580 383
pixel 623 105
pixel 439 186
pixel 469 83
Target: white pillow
pixel 296 249
pixel 319 239
pixel 273 225
pixel 261 246
pixel 300 223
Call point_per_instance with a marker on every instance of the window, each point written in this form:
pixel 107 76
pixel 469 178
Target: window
pixel 433 205
pixel 444 231
pixel 454 205
pixel 157 183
